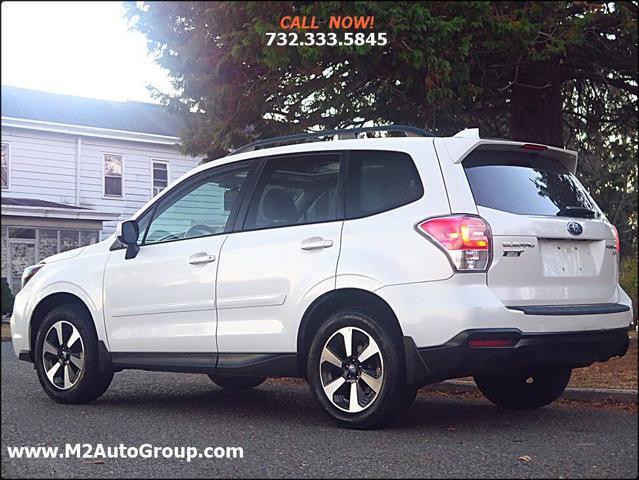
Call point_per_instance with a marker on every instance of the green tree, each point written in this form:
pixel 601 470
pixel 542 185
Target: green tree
pixel 560 73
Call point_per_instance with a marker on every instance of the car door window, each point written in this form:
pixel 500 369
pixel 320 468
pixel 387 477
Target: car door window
pixel 201 207
pixel 379 181
pixel 295 190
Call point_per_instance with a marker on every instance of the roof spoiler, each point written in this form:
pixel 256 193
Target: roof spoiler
pixel 460 146
pixel 468 133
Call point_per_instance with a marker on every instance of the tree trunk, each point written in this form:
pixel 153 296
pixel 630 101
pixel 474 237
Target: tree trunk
pixel 535 114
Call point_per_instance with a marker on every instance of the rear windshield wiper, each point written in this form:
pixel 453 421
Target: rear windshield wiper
pixel 581 212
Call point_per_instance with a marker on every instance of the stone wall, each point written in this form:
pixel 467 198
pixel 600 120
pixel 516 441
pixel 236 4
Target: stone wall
pixel 5 251
pixel 34 239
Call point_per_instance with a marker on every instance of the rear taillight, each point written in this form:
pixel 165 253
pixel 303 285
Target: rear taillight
pixel 617 243
pixel 466 240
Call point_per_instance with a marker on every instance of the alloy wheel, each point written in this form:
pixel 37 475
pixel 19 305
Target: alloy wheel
pixel 63 355
pixel 351 369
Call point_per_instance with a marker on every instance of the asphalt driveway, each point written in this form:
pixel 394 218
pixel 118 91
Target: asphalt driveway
pixel 283 433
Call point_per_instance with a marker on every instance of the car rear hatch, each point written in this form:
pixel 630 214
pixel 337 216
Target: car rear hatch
pixel 551 243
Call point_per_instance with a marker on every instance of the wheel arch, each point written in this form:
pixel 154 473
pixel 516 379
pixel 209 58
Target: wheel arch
pixel 333 301
pixel 48 303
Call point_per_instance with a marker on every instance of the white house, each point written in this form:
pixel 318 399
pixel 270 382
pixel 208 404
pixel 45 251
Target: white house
pixel 73 167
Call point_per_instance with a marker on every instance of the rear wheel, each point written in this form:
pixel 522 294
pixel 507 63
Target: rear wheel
pixel 356 371
pixel 236 383
pixel 66 357
pixel 525 389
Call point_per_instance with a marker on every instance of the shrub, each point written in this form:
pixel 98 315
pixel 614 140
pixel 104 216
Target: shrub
pixel 7 297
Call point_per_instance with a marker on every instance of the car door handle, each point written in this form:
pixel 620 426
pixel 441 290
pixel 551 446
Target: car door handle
pixel 201 257
pixel 315 243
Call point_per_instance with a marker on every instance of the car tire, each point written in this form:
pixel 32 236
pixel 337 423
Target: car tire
pixel 524 389
pixel 374 371
pixel 67 359
pixel 236 383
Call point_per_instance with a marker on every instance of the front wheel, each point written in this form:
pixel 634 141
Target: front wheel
pixel 236 383
pixel 66 357
pixel 356 371
pixel 524 389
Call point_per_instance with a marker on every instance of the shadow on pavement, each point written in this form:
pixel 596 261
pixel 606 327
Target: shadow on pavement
pixel 292 403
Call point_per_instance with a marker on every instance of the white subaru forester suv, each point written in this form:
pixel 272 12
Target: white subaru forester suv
pixel 369 266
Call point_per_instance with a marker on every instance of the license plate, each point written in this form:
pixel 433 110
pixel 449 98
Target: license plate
pixel 567 258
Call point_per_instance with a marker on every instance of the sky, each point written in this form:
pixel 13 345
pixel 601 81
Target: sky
pixel 77 48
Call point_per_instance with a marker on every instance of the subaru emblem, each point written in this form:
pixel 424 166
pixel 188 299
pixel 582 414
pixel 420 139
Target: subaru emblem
pixel 575 229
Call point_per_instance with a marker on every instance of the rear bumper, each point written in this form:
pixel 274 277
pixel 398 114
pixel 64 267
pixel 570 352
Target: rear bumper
pixel 457 358
pixel 432 313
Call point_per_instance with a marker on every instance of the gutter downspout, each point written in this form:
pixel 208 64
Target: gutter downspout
pixel 78 157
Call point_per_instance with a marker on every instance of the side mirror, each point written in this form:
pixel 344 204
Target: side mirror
pixel 128 233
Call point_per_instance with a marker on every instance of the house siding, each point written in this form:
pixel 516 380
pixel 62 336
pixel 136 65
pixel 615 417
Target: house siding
pixel 42 165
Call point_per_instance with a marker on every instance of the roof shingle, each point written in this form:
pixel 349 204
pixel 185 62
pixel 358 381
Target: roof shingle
pixel 33 202
pixel 70 110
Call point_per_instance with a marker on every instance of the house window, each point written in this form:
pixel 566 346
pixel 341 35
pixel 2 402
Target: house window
pixel 160 176
pixel 112 175
pixel 5 165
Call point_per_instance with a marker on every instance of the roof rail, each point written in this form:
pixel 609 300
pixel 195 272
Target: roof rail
pixel 300 137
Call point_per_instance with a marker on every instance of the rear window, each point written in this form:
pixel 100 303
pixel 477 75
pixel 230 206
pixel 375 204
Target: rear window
pixel 380 181
pixel 526 184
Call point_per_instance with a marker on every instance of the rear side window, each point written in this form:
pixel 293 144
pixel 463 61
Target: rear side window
pixel 295 190
pixel 379 181
pixel 526 184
